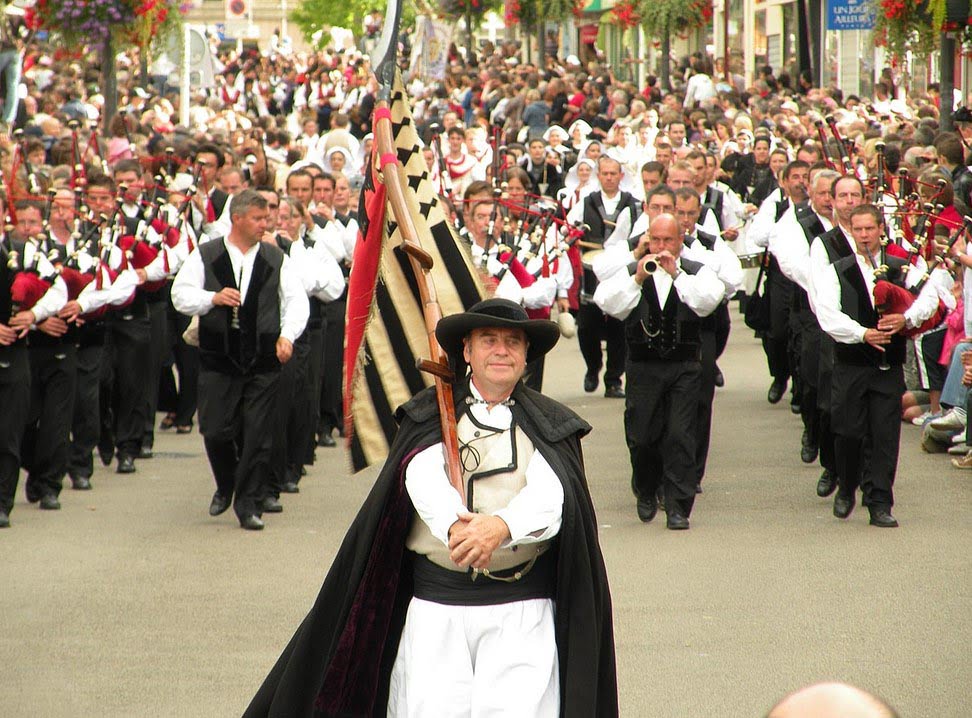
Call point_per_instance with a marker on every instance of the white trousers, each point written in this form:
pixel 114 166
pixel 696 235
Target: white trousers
pixel 476 662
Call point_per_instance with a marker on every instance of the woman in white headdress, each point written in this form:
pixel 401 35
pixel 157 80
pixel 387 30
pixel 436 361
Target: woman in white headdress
pixel 339 160
pixel 363 154
pixel 579 131
pixel 556 138
pixel 581 180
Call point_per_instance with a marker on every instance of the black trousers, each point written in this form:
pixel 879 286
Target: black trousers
pixel 723 325
pixel 47 435
pixel 186 360
pixel 290 412
pixel 593 327
pixel 311 396
pixel 130 343
pixel 158 349
pixel 660 415
pixel 85 424
pixel 706 397
pixel 866 417
pixel 534 374
pixel 776 341
pixel 332 406
pixel 15 400
pixel 236 414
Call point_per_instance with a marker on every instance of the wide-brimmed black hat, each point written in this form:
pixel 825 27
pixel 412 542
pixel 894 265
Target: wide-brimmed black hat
pixel 541 333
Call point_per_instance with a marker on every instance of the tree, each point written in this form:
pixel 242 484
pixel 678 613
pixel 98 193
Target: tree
pixel 312 16
pixel 663 18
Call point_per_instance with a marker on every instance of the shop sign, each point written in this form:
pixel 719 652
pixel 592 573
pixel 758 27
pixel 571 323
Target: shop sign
pixel 850 15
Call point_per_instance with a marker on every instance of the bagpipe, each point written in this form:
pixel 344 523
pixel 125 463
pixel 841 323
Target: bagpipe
pixel 893 298
pixel 32 276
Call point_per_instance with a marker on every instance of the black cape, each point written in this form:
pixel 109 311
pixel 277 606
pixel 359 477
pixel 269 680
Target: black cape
pixel 339 661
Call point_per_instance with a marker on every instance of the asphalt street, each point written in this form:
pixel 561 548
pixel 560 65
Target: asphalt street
pixel 132 601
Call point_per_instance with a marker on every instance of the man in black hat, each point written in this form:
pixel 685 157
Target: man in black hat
pixel 434 605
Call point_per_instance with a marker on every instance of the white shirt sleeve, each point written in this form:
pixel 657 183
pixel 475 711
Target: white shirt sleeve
pixel 760 229
pixel 702 291
pixel 612 260
pixel 294 308
pixel 618 295
pixel 52 301
pixel 535 513
pixel 788 244
pixel 330 237
pixel 188 295
pixel 825 299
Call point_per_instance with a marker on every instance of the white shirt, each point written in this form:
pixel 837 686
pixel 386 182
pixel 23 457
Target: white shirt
pixel 189 297
pixel 318 271
pixel 762 226
pixel 846 330
pixel 720 259
pixel 620 294
pixel 789 244
pixel 532 516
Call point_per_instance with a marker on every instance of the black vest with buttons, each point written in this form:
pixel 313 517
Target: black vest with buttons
pixel 669 333
pixel 252 347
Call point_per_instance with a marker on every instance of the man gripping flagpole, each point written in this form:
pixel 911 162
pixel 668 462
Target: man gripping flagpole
pixel 471 582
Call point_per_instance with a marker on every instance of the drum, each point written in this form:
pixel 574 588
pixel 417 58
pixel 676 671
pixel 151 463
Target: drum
pixel 588 278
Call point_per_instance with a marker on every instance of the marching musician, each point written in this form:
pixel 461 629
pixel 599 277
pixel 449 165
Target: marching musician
pixel 210 208
pixel 790 243
pixel 51 354
pixel 778 287
pixel 288 226
pixel 600 211
pixel 661 301
pixel 869 352
pixel 24 302
pixel 713 252
pixel 252 308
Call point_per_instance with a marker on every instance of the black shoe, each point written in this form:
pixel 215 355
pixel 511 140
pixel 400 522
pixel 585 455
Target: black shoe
pixel 303 470
pixel 4 520
pixel 843 505
pixel 144 453
pixel 827 484
pixel 326 439
pixel 882 518
pixel 795 409
pixel 613 392
pixel 720 381
pixel 186 429
pixel 290 487
pixel 698 488
pixel 808 450
pixel 106 454
pixel 126 465
pixel 776 391
pixel 647 508
pixel 676 521
pixel 590 382
pixel 219 504
pixel 81 483
pixel 272 506
pixel 251 523
pixel 49 502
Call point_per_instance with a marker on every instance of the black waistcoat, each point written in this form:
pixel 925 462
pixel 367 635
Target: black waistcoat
pixel 855 302
pixel 669 333
pixel 251 347
pixel 595 215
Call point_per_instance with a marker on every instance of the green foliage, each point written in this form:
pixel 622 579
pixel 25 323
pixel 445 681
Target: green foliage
pixel 313 15
pixel 669 16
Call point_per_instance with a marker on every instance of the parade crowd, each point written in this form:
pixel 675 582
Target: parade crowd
pixel 155 275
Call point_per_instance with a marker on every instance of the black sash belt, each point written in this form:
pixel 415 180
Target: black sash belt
pixel 455 588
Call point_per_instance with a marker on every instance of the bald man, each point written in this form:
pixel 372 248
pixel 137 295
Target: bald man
pixel 831 700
